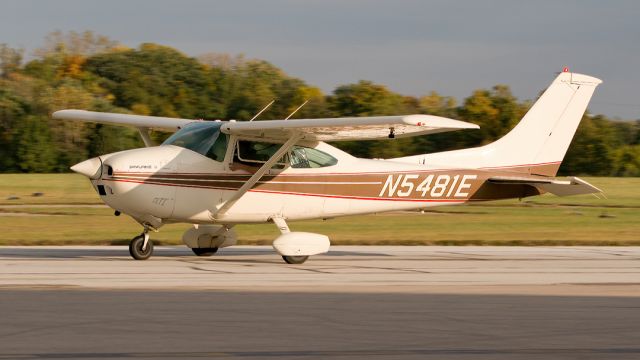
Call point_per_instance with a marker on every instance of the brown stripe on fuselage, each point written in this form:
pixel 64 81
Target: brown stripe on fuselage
pixel 396 185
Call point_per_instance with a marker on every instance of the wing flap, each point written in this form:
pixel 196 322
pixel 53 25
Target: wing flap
pixel 139 121
pixel 571 186
pixel 349 128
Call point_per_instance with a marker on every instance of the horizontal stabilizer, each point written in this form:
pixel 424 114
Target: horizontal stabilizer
pixel 571 186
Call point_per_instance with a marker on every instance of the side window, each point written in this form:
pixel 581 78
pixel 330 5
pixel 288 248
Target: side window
pixel 298 158
pixel 255 153
pixel 303 157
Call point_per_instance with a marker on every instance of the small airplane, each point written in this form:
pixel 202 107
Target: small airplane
pixel 216 174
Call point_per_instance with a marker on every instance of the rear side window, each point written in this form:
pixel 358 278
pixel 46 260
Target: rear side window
pixel 304 157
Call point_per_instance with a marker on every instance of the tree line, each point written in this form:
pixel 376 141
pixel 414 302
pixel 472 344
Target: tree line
pixel 92 72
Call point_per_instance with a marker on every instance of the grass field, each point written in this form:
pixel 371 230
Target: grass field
pixel 543 220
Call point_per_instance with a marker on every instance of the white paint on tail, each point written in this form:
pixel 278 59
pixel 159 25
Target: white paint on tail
pixel 541 137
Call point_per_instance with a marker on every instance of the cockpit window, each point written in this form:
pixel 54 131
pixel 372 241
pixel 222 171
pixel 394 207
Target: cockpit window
pixel 255 153
pixel 201 137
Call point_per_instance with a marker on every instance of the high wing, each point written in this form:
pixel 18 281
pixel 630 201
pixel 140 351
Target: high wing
pixel 325 129
pixel 348 128
pixel 571 186
pixel 139 121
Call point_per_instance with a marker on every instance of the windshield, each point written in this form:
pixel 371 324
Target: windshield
pixel 202 137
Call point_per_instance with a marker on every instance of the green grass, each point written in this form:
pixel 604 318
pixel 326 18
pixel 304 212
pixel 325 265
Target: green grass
pixel 57 189
pixel 543 220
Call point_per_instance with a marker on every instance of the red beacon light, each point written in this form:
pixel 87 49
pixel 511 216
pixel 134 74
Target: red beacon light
pixel 565 69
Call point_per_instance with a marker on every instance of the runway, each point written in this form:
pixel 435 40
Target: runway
pixel 413 269
pixel 352 303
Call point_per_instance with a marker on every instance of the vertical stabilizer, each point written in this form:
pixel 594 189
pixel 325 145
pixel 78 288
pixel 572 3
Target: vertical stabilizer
pixel 539 142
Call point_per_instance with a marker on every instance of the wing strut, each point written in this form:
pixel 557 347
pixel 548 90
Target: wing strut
pixel 146 138
pixel 258 175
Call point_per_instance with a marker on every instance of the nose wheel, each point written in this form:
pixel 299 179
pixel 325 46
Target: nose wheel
pixel 141 247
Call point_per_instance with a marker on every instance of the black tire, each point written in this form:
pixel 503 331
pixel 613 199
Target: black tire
pixel 204 251
pixel 294 259
pixel 135 248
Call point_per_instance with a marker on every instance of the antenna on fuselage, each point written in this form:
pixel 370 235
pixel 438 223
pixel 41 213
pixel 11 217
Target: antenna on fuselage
pixel 296 110
pixel 263 109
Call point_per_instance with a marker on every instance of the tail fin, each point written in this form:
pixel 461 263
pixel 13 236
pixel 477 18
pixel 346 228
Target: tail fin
pixel 539 142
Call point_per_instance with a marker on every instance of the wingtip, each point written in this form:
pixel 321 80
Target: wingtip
pixel 60 114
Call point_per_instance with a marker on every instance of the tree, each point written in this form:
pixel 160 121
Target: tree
pixel 13 108
pixel 86 44
pixel 627 161
pixel 368 99
pixel 436 104
pixel 89 71
pixel 365 99
pixel 34 151
pixel 591 151
pixel 251 85
pixel 10 60
pixel 166 81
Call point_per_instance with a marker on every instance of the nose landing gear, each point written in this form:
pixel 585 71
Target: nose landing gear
pixel 141 247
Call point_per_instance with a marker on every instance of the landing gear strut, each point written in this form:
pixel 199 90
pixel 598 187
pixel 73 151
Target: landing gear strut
pixel 141 247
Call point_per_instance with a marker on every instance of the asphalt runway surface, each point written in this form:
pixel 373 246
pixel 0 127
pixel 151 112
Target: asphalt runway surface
pixel 355 302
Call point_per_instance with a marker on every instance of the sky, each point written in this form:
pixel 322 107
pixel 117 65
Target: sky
pixel 411 46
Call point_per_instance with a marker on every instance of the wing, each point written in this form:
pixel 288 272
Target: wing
pixel 571 186
pixel 326 129
pixel 349 128
pixel 139 121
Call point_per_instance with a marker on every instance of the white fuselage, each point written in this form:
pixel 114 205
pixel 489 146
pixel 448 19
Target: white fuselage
pixel 172 184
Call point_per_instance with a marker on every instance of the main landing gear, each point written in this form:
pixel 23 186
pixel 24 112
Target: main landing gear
pixel 294 259
pixel 141 247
